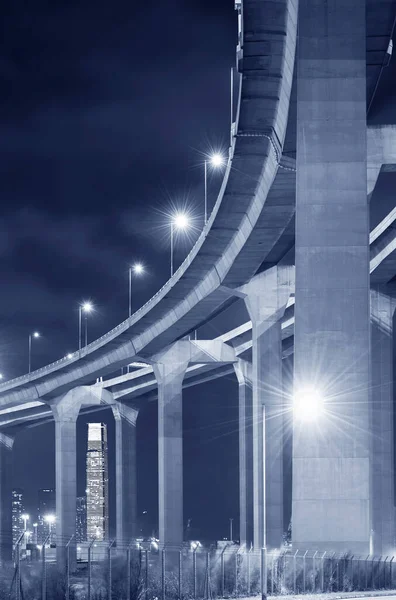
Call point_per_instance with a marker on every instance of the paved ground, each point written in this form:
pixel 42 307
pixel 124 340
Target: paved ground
pixel 390 594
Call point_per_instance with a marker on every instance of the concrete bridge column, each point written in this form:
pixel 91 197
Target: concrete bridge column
pixel 6 445
pixel 243 371
pixel 65 411
pixel 266 299
pixel 126 483
pixel 383 476
pixel 169 369
pixel 331 456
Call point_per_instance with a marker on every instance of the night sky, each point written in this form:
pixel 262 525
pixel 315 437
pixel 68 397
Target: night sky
pixel 107 110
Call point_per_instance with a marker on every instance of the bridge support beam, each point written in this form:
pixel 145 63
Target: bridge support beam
pixel 6 445
pixel 65 411
pixel 169 369
pixel 243 372
pixel 383 476
pixel 331 456
pixel 266 297
pixel 125 473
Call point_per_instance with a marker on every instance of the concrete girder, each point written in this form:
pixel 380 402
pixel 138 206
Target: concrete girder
pixel 381 150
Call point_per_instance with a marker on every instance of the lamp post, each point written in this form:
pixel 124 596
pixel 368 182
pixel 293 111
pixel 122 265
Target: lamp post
pixel 35 525
pixel 85 308
pixel 216 160
pixel 35 334
pixel 180 221
pixel 136 269
pixel 50 519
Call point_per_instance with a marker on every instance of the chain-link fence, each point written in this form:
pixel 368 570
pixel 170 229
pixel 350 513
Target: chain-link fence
pixel 107 572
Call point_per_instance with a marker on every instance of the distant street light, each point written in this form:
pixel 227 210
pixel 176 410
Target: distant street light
pixel 31 336
pixel 180 222
pixel 136 269
pixel 216 160
pixel 25 518
pixel 50 519
pixel 85 308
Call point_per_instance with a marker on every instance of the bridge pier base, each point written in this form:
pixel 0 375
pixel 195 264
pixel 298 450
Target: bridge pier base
pixel 243 373
pixel 6 445
pixel 383 476
pixel 266 299
pixel 125 473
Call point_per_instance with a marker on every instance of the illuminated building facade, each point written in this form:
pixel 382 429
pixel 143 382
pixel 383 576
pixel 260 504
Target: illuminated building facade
pixel 97 483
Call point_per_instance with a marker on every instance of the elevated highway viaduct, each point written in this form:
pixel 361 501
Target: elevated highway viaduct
pixel 301 164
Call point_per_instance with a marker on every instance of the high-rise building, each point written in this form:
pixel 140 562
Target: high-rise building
pixel 81 519
pixel 46 514
pixel 97 483
pixel 17 512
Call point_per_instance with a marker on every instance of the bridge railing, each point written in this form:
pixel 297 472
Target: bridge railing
pixel 195 572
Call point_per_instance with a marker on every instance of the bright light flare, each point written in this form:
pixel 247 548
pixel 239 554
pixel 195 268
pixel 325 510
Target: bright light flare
pixel 308 404
pixel 36 334
pixel 138 268
pixel 181 221
pixel 216 160
pixel 50 519
pixel 87 307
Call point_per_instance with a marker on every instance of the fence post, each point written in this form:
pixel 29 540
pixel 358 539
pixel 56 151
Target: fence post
pixel 222 572
pixel 272 573
pixel 128 566
pixel 390 572
pixel 304 569
pixel 295 571
pixel 18 566
pixel 372 572
pixel 206 590
pixel 109 579
pixel 366 571
pixel 384 571
pixel 147 575
pixel 68 567
pixel 236 573
pixel 44 571
pixel 195 571
pixel 248 571
pixel 89 569
pixel 163 586
pixel 314 572
pixel 180 574
pixel 263 573
pixel 322 573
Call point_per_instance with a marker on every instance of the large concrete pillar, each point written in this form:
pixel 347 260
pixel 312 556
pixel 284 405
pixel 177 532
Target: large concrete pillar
pixel 331 457
pixel 266 299
pixel 65 411
pixel 169 369
pixel 125 473
pixel 243 371
pixel 6 445
pixel 383 475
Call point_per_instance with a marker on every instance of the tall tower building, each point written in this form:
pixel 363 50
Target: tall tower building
pixel 17 511
pixel 81 519
pixel 97 483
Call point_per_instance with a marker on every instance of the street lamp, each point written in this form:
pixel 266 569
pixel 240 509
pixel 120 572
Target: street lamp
pixel 50 519
pixel 25 518
pixel 136 269
pixel 31 336
pixel 216 160
pixel 35 525
pixel 85 308
pixel 179 221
